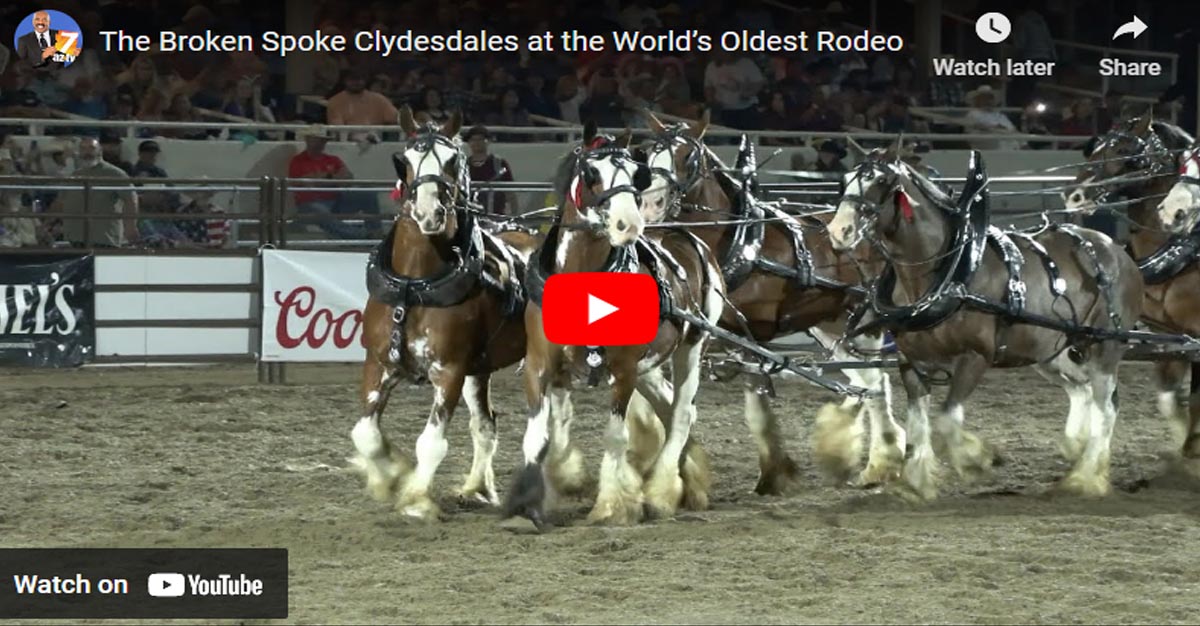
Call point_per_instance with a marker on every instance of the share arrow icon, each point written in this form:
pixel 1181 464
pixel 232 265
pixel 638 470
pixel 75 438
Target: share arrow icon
pixel 1135 27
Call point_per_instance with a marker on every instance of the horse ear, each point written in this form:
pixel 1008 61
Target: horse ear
pixel 1142 127
pixel 702 126
pixel 856 150
pixel 452 125
pixel 656 125
pixel 625 138
pixel 407 123
pixel 896 150
pixel 589 132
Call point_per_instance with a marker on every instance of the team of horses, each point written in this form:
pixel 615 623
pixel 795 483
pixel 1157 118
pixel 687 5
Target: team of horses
pixel 456 297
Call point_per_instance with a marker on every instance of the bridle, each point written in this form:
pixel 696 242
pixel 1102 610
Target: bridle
pixel 454 191
pixel 677 189
pixel 1148 159
pixel 1190 157
pixel 605 148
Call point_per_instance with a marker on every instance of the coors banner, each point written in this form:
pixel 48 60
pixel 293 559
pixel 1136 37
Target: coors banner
pixel 46 317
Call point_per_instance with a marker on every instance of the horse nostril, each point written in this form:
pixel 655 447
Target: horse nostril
pixel 622 226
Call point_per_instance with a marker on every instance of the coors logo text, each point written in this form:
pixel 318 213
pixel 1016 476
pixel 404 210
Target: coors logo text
pixel 51 313
pixel 320 324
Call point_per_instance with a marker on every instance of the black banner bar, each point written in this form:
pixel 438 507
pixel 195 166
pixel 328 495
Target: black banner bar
pixel 47 310
pixel 144 583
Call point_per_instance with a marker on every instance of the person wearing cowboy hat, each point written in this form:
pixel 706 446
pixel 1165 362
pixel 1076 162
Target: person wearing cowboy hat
pixel 984 118
pixel 314 163
pixel 829 157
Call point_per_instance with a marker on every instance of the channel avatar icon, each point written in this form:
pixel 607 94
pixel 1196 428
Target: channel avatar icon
pixel 47 40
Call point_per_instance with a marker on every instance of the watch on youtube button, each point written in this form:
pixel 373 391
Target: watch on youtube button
pixel 600 309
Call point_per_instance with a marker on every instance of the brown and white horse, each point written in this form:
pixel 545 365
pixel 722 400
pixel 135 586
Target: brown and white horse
pixel 445 306
pixel 945 265
pixel 769 268
pixel 1138 166
pixel 599 228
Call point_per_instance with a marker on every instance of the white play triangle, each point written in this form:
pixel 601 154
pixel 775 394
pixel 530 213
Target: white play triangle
pixel 598 309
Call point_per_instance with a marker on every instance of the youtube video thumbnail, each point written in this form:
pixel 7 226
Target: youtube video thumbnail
pixel 599 311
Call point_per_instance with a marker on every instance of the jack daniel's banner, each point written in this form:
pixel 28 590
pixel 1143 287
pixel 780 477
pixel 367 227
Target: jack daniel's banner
pixel 46 310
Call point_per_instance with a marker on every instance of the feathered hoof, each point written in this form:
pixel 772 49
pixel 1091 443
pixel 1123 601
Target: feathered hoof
pixel 418 507
pixel 1085 485
pixel 1071 449
pixel 616 511
pixel 918 480
pixel 383 474
pixel 663 495
pixel 697 477
pixel 779 478
pixel 566 472
pixel 475 495
pixel 837 442
pixel 973 459
pixel 878 473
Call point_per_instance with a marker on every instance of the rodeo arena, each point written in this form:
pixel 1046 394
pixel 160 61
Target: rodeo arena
pixel 925 347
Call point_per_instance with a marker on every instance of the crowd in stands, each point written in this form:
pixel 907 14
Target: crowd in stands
pixel 800 92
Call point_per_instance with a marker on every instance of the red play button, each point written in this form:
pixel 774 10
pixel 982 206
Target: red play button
pixel 600 309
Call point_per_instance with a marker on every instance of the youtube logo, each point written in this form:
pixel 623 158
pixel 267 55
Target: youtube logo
pixel 600 309
pixel 165 585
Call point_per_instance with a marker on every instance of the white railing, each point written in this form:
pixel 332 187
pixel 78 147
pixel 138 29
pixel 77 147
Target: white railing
pixel 36 127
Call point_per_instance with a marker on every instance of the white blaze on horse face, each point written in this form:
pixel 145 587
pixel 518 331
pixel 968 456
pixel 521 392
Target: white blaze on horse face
pixel 654 199
pixel 427 207
pixel 625 223
pixel 1178 211
pixel 1077 198
pixel 843 229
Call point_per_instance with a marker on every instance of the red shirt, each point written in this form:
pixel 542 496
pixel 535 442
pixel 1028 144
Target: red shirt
pixel 306 165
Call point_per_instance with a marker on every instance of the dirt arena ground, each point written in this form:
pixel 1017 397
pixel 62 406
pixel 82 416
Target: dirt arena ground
pixel 206 458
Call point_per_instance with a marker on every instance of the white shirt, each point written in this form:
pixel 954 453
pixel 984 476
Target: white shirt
pixel 979 121
pixel 735 85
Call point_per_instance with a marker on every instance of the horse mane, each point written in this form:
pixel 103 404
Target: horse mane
pixel 564 172
pixel 1172 136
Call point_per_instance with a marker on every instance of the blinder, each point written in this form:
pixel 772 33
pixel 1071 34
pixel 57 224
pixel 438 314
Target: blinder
pixel 450 178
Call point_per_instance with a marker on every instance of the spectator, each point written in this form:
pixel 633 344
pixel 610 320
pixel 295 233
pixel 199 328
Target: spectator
pixel 984 118
pixel 15 232
pixel 1079 119
pixel 602 105
pixel 1110 111
pixel 110 146
pixel 430 108
pixel 244 99
pixel 157 232
pixel 638 16
pixel 569 95
pixel 180 110
pixel 140 78
pixel 210 232
pixel 314 162
pixel 536 101
pixel 122 107
pixel 511 112
pixel 356 105
pixel 112 213
pixel 673 93
pixel 731 85
pixel 487 167
pixel 829 157
pixel 778 116
pixel 891 115
pixel 85 101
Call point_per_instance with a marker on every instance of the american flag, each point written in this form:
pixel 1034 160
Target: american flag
pixel 218 230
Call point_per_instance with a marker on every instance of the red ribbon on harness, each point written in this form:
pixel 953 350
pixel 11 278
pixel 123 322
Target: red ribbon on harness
pixel 398 192
pixel 577 192
pixel 905 206
pixel 597 143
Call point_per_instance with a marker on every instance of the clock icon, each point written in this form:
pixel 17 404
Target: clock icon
pixel 993 27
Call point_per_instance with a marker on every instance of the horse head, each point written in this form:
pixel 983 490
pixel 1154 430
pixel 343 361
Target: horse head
pixel 676 159
pixel 1123 152
pixel 1180 209
pixel 880 191
pixel 432 175
pixel 606 187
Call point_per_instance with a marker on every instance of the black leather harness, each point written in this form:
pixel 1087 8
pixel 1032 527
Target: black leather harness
pixel 971 233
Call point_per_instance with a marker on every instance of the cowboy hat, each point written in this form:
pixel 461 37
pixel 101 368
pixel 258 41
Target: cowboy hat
pixel 982 90
pixel 316 131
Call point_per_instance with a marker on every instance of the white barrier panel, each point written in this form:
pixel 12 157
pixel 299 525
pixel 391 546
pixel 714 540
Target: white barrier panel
pixel 312 305
pixel 136 306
